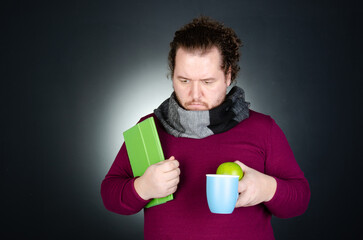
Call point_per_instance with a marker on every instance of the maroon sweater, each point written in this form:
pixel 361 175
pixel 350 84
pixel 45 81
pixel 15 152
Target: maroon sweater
pixel 257 141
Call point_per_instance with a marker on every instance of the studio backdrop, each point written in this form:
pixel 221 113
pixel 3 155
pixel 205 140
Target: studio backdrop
pixel 76 74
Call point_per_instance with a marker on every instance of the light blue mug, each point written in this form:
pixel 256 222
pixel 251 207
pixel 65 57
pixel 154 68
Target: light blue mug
pixel 222 193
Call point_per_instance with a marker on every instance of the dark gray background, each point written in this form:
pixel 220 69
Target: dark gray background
pixel 76 74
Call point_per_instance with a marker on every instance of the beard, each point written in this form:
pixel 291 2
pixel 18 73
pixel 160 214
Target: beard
pixel 196 105
pixel 189 105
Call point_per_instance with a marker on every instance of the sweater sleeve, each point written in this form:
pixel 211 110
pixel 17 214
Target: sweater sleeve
pixel 117 189
pixel 292 194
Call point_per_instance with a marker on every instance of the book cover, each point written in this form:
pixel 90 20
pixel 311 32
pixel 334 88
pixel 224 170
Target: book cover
pixel 144 149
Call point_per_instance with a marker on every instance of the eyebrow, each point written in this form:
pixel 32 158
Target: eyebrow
pixel 203 79
pixel 206 79
pixel 181 77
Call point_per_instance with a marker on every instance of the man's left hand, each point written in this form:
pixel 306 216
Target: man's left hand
pixel 255 187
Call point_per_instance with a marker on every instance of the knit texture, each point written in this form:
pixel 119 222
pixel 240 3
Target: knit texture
pixel 257 142
pixel 200 124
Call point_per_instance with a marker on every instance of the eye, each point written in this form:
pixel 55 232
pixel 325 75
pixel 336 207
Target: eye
pixel 183 80
pixel 207 82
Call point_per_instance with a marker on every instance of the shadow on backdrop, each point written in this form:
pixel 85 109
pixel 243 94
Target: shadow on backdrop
pixel 77 75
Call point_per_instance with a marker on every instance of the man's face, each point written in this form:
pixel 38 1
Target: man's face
pixel 199 81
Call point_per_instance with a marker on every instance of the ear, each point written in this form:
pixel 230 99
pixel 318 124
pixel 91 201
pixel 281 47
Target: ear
pixel 228 77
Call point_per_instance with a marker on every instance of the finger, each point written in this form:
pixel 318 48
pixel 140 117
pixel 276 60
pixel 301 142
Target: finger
pixel 242 204
pixel 239 202
pixel 243 166
pixel 172 158
pixel 242 200
pixel 172 190
pixel 242 187
pixel 176 162
pixel 172 174
pixel 174 182
pixel 169 165
pixel 240 163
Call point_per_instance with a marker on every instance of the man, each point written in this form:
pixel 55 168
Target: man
pixel 201 126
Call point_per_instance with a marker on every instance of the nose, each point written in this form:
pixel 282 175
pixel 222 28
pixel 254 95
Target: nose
pixel 195 90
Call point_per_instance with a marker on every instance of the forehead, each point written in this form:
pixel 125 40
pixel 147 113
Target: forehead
pixel 201 59
pixel 199 51
pixel 198 64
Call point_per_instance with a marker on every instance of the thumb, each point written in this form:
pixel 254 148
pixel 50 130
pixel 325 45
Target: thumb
pixel 243 166
pixel 165 161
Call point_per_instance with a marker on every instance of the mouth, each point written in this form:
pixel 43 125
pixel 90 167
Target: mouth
pixel 196 106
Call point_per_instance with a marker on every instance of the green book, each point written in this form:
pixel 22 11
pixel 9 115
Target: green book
pixel 144 149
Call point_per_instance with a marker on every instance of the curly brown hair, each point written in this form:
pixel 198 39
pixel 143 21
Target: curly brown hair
pixel 204 33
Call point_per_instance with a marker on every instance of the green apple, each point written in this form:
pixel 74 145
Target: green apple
pixel 230 168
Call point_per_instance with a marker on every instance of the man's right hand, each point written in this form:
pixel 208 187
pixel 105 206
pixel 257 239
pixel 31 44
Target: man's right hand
pixel 159 180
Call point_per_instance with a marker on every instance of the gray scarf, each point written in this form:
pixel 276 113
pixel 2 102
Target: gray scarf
pixel 200 124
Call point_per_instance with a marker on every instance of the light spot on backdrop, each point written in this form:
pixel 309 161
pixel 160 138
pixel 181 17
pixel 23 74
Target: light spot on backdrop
pixel 135 93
